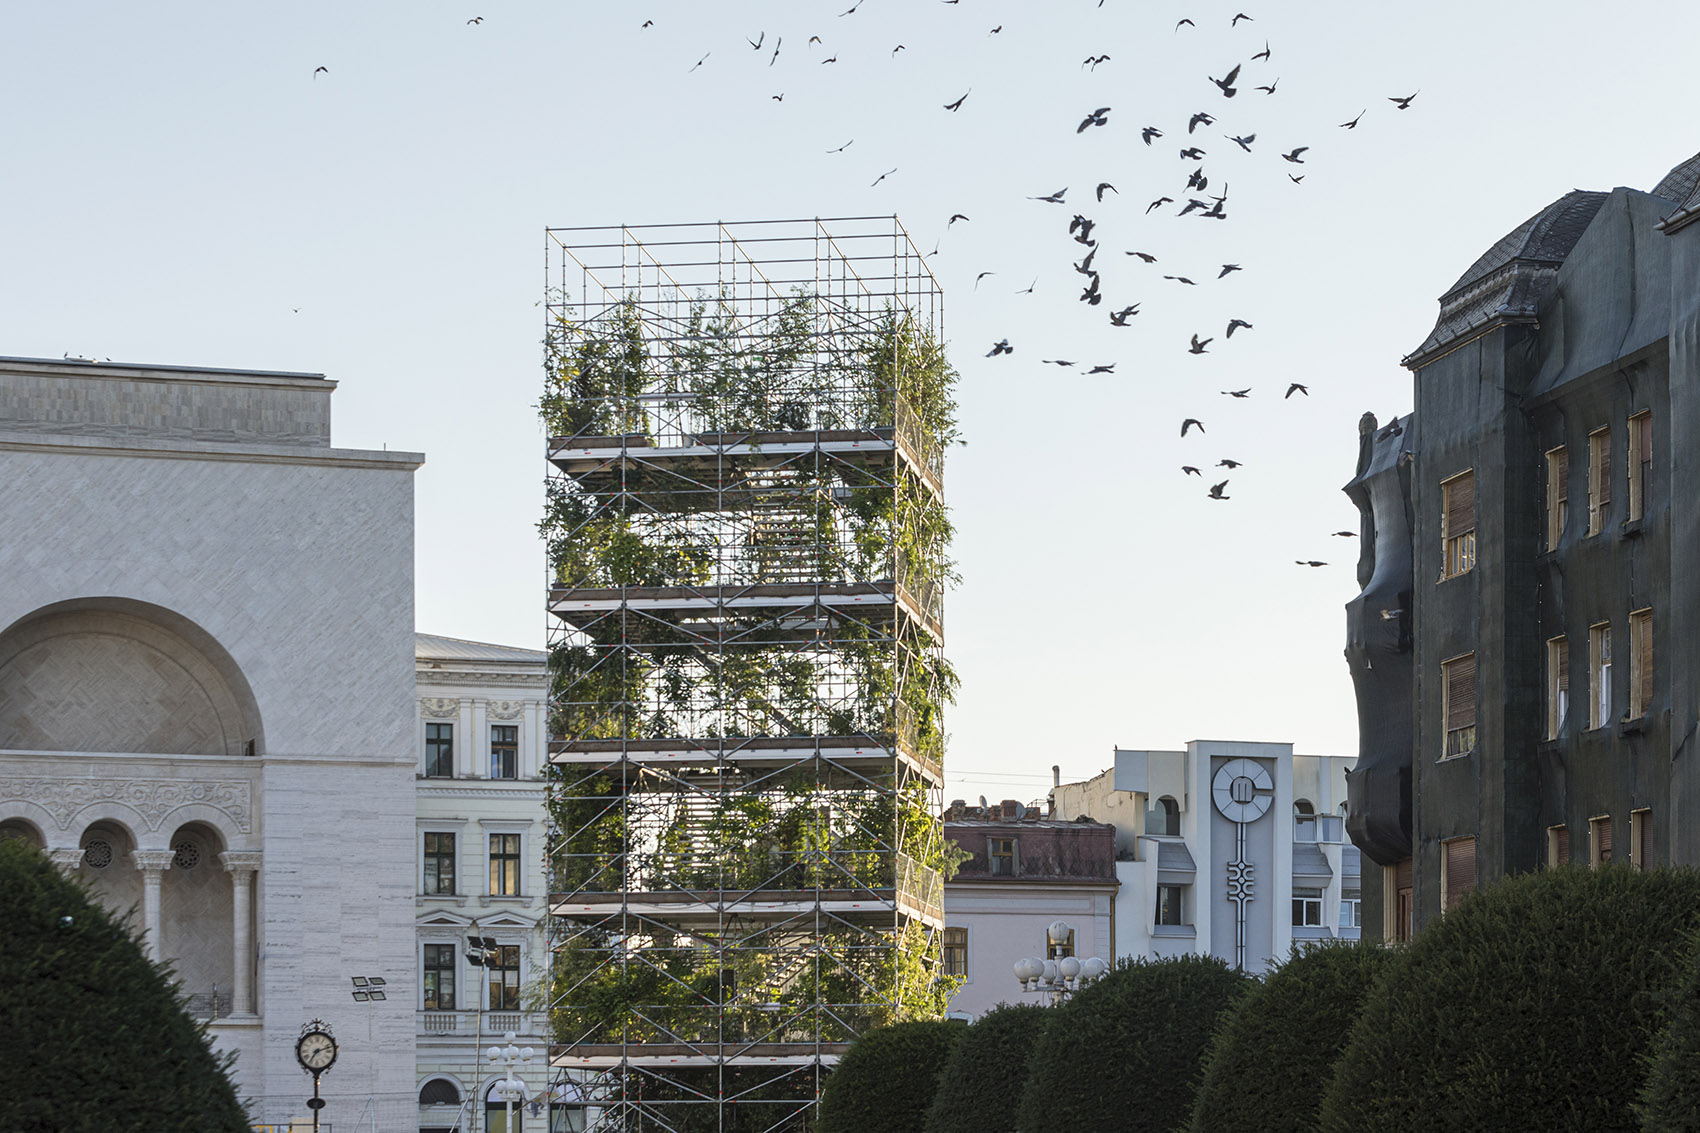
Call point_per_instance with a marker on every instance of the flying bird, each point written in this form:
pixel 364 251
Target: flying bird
pixel 1198 346
pixel 1000 347
pixel 648 24
pixel 1228 464
pixel 1308 563
pixel 1226 268
pixel 1146 256
pixel 1190 470
pixel 1028 290
pixel 1353 124
pixel 1102 185
pixel 898 48
pixel 1226 83
pixel 846 146
pixel 1238 17
pixel 1056 362
pixel 476 20
pixel 1199 119
pixel 1189 423
pixel 317 71
pixel 780 97
pixel 1296 388
pixel 701 61
pixel 1091 295
pixel 954 106
pixel 1234 323
pixel 1217 490
pixel 1096 117
pixel 1055 198
pixel 853 7
pixel 954 217
pixel 829 59
pixel 755 44
pixel 1345 534
pixel 1181 279
pixel 1240 393
pixel 1078 223
pixel 1188 23
pixel 1191 153
pixel 1093 61
pixel 1119 318
pixel 1270 89
pixel 1105 369
pixel 981 276
pixel 1403 103
pixel 1264 54
pixel 882 177
pixel 1084 267
pixel 1159 201
pixel 1197 180
pixel 1150 132
pixel 1295 179
pixel 775 55
pixel 995 30
pixel 1294 156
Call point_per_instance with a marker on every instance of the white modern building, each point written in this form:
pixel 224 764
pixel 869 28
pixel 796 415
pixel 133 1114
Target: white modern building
pixel 208 706
pixel 1232 849
pixel 481 741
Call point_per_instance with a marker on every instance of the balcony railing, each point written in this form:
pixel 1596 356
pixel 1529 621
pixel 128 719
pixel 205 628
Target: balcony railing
pixel 466 1023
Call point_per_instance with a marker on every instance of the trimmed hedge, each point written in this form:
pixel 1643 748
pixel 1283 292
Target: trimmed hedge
pixel 887 1078
pixel 982 1083
pixel 1531 1005
pixel 1271 1059
pixel 1125 1053
pixel 1670 1101
pixel 98 1037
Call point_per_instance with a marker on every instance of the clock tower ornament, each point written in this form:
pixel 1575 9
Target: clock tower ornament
pixel 316 1051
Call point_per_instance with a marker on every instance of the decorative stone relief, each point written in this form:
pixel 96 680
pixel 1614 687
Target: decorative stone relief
pixel 440 706
pixel 240 861
pixel 506 709
pixel 159 860
pixel 154 799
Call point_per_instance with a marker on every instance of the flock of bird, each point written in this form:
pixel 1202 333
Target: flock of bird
pixel 1192 198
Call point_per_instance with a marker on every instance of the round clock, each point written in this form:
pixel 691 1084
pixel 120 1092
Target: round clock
pixel 316 1049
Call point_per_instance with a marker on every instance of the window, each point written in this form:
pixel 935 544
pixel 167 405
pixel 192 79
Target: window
pixel 1640 663
pixel 440 982
pixel 439 751
pixel 1599 667
pixel 439 864
pixel 1000 854
pixel 1458 870
pixel 1599 479
pixel 1558 845
pixel 1400 905
pixel 955 952
pixel 1558 494
pixel 439 1091
pixel 504 751
pixel 1170 901
pixel 1640 463
pixel 1307 907
pixel 504 977
pixel 1458 523
pixel 1458 707
pixel 1163 816
pixel 1599 837
pixel 1351 908
pixel 1304 822
pixel 1640 838
pixel 504 865
pixel 1558 685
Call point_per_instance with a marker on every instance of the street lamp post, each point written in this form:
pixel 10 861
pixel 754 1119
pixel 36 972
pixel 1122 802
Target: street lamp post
pixel 510 1087
pixel 1058 975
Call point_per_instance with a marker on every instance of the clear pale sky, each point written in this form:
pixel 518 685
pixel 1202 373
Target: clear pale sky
pixel 177 182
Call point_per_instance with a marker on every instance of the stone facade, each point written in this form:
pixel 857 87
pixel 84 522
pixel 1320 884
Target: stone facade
pixel 207 698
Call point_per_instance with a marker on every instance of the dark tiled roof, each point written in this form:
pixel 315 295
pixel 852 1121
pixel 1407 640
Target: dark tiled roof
pixel 1511 278
pixel 1681 183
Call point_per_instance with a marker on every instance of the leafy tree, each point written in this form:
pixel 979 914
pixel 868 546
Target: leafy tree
pixel 98 1035
pixel 1531 1005
pixel 982 1082
pixel 1125 1053
pixel 887 1079
pixel 1271 1059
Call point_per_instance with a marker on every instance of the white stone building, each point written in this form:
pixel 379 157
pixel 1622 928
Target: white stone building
pixel 207 700
pixel 482 746
pixel 1232 849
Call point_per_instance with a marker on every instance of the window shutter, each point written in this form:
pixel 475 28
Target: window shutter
pixel 1562 849
pixel 1563 664
pixel 1602 840
pixel 1461 693
pixel 1644 665
pixel 1561 474
pixel 1402 875
pixel 1460 504
pixel 1460 869
pixel 1605 468
pixel 1643 838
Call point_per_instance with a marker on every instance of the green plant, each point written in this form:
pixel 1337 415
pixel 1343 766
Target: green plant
pixel 1125 1053
pixel 99 1036
pixel 981 1084
pixel 1670 1100
pixel 887 1079
pixel 1530 1005
pixel 1272 1056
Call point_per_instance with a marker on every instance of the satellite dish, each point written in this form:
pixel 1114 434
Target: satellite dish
pixel 983 804
pixel 1020 810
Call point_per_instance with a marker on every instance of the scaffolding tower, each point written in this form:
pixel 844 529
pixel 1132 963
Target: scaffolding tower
pixel 748 550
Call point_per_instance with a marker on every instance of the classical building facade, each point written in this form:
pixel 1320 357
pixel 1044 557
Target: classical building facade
pixel 481 747
pixel 207 700
pixel 1524 647
pixel 1227 848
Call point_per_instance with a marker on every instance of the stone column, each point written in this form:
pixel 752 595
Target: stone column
pixel 67 858
pixel 242 865
pixel 480 739
pixel 153 864
pixel 466 761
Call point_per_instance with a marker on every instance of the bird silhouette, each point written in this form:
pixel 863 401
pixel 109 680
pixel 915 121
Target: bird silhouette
pixel 1191 153
pixel 317 71
pixel 1093 61
pixel 1055 198
pixel 1199 119
pixel 829 59
pixel 1353 124
pixel 1405 102
pixel 1028 290
pixel 1108 368
pixel 476 20
pixel 1190 470
pixel 1296 388
pixel 899 47
pixel 1296 178
pixel 1294 156
pixel 1189 423
pixel 844 147
pixel 1097 117
pixel 1237 18
pixel 1181 279
pixel 1197 180
pixel 1159 201
pixel 1240 393
pixel 1091 295
pixel 1228 464
pixel 755 44
pixel 701 61
pixel 1084 267
pixel 1146 256
pixel 1244 143
pixel 883 176
pixel 1000 347
pixel 1188 23
pixel 1235 323
pixel 1308 563
pixel 1226 268
pixel 1056 361
pixel 1226 83
pixel 1264 54
pixel 954 217
pixel 1119 318
pixel 1345 534
pixel 954 106
pixel 1198 345
pixel 1270 89
pixel 1150 132
pixel 1102 185
pixel 981 276
pixel 1217 491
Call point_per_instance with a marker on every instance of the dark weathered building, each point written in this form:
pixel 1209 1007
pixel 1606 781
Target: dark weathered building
pixel 1524 648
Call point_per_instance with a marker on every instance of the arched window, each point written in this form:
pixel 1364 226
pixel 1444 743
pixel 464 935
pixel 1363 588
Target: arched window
pixel 439 1091
pixel 1304 821
pixel 23 830
pixel 1163 816
pixel 496 1111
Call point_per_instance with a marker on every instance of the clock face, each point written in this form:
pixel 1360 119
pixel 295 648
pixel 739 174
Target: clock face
pixel 316 1050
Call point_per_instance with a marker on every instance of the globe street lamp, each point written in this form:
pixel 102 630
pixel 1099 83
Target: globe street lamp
pixel 1058 975
pixel 510 1087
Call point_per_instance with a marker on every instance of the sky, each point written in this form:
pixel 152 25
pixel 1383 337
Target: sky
pixel 183 185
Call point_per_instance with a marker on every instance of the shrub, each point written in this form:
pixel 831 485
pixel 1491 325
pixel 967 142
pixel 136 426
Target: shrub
pixel 1272 1057
pixel 981 1085
pixel 1531 1005
pixel 1670 1101
pixel 1125 1052
pixel 887 1079
pixel 99 1037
